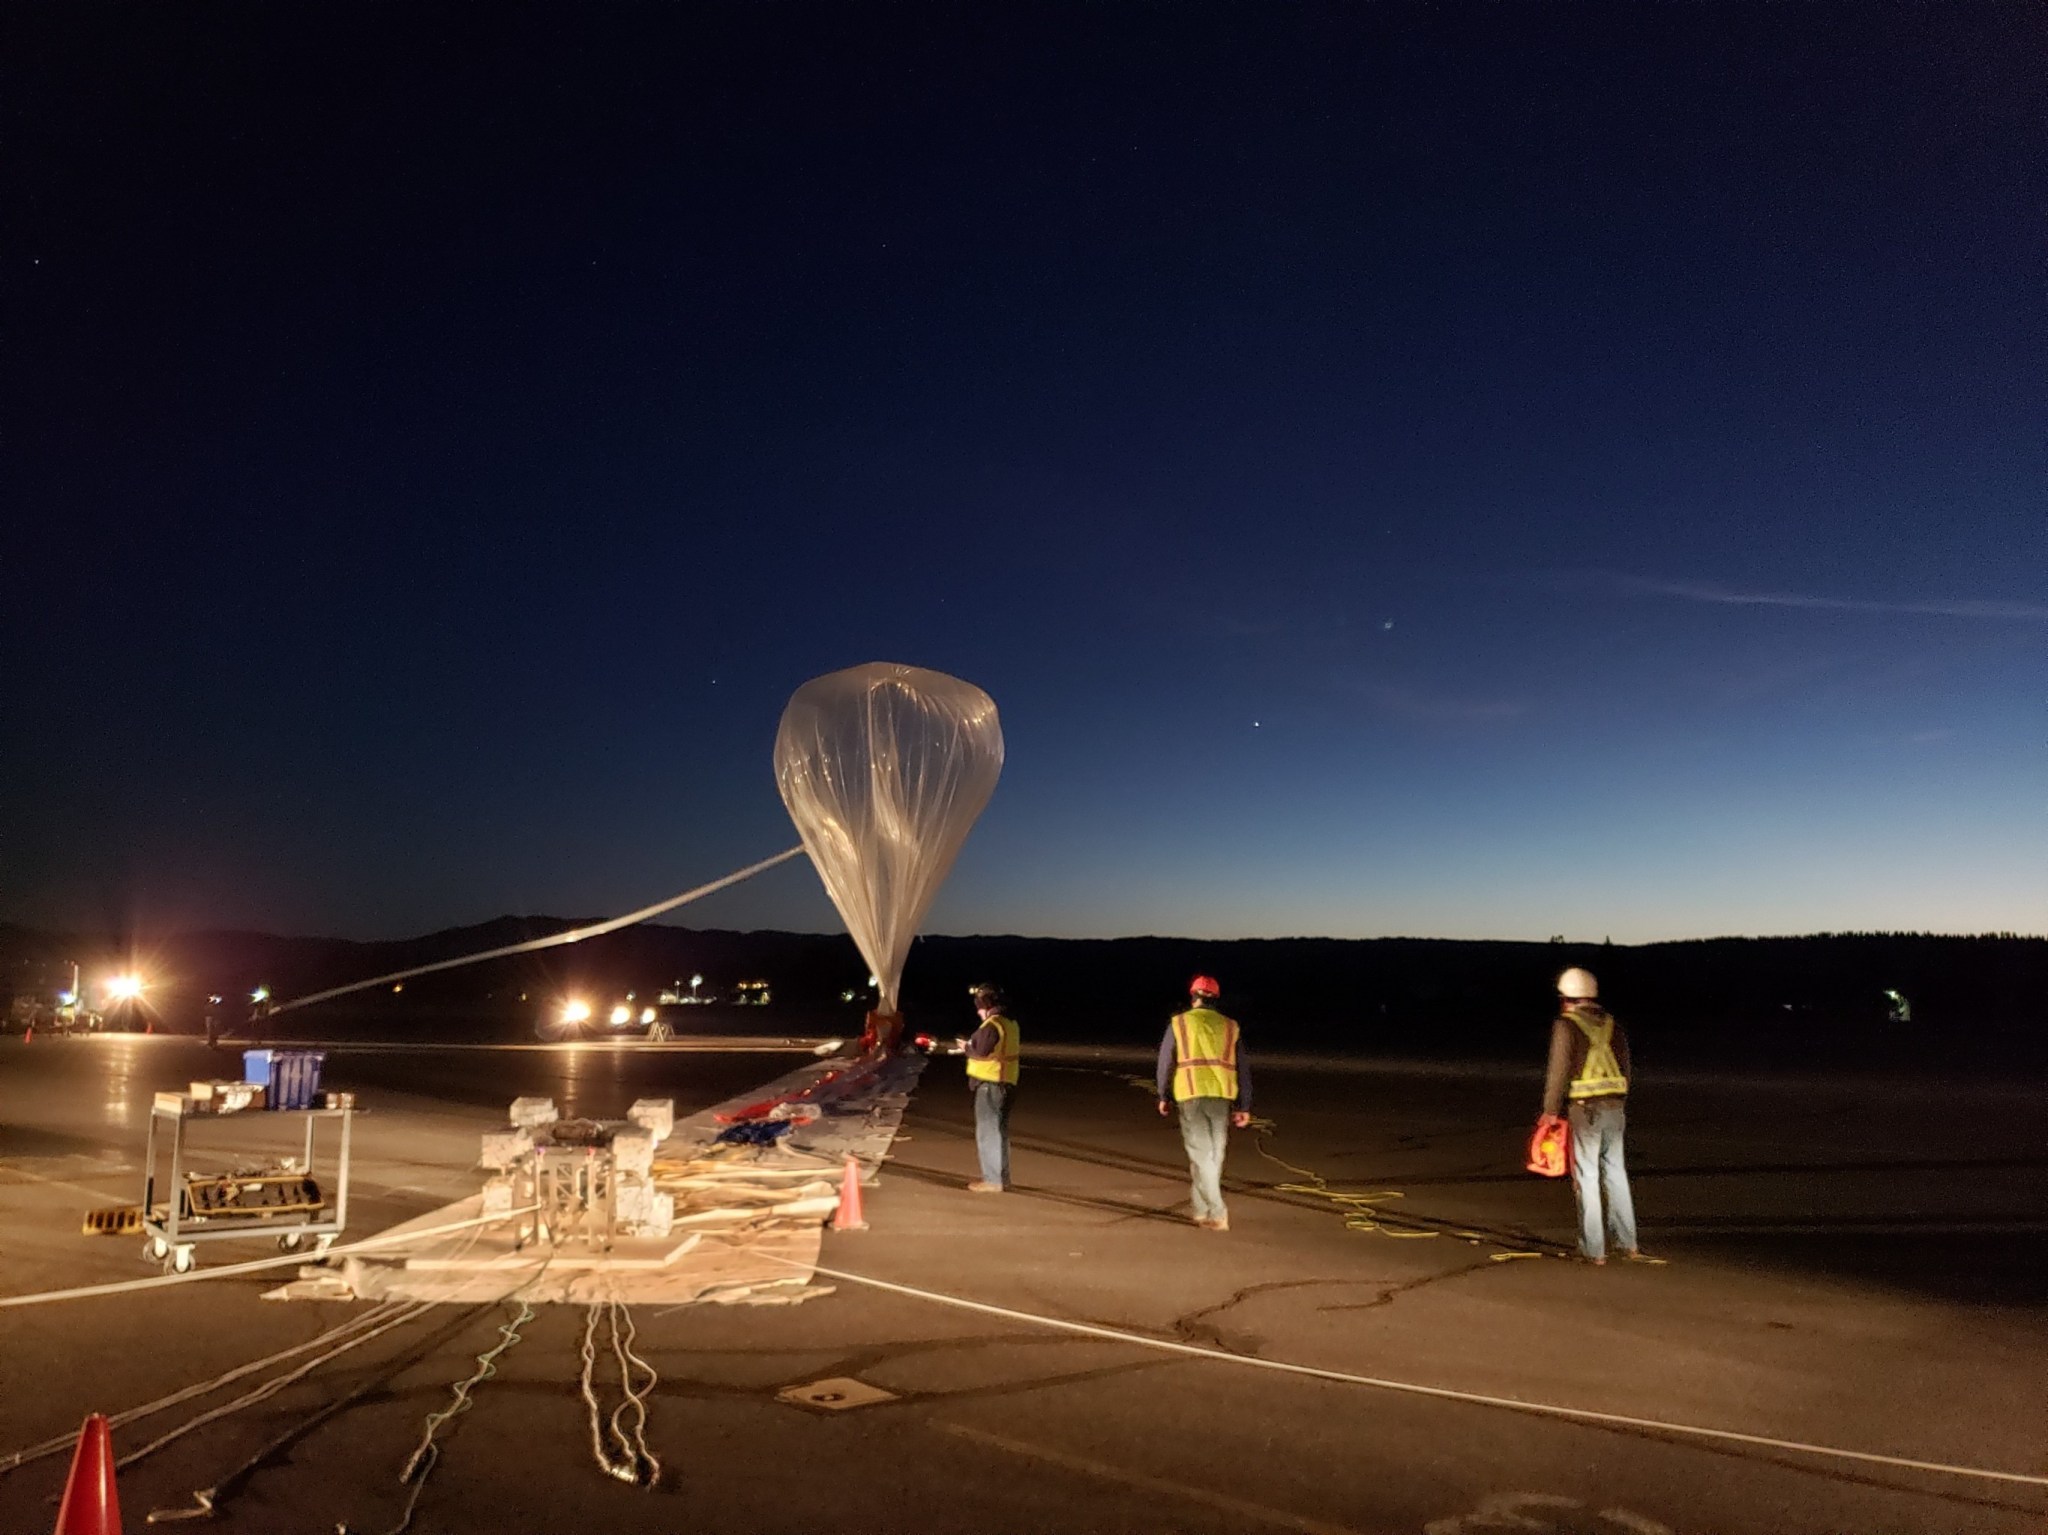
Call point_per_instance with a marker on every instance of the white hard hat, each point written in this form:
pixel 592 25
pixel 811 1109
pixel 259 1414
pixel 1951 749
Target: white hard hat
pixel 1578 984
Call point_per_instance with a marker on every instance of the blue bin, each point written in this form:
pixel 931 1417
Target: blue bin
pixel 290 1079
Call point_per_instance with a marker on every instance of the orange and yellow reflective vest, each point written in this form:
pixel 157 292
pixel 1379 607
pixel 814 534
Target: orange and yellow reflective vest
pixel 1002 1066
pixel 1600 1076
pixel 1205 1055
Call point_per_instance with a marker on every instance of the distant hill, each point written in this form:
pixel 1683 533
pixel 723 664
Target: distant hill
pixel 1810 1000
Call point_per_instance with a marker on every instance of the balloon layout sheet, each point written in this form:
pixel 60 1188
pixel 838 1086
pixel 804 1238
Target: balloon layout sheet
pixel 884 769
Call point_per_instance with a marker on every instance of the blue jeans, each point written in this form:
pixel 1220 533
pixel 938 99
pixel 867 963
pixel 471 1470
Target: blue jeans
pixel 1205 1132
pixel 992 1129
pixel 1598 1176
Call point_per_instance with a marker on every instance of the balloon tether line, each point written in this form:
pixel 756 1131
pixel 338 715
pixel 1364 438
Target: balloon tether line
pixel 553 940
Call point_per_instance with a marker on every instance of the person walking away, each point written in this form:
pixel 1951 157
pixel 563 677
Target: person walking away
pixel 992 1052
pixel 1203 1071
pixel 1589 1067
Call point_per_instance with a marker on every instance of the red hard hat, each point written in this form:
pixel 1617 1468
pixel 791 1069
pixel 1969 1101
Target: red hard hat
pixel 1204 986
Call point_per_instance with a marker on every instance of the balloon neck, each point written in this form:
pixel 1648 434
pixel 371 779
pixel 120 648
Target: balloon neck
pixel 884 1033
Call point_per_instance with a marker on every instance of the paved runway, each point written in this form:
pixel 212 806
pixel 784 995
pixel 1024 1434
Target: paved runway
pixel 1851 1266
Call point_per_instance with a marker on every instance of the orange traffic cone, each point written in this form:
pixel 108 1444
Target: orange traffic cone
pixel 848 1216
pixel 89 1506
pixel 28 1033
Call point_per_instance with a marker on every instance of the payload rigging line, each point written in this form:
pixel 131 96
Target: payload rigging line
pixel 552 941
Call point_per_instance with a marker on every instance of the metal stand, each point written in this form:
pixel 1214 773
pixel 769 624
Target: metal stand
pixel 171 1231
pixel 576 1191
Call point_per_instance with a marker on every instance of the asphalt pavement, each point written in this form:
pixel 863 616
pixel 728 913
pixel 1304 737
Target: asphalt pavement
pixel 1855 1264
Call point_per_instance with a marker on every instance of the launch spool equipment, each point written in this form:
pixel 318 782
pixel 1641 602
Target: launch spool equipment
pixel 293 1206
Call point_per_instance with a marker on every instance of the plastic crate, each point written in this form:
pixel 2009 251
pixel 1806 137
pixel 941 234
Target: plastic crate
pixel 290 1078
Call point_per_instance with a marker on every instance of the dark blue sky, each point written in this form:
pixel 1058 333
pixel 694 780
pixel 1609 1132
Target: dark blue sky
pixel 1464 470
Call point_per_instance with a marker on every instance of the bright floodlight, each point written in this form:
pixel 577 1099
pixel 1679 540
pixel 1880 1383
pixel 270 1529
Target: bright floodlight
pixel 621 1014
pixel 124 988
pixel 647 1015
pixel 576 1011
pixel 260 994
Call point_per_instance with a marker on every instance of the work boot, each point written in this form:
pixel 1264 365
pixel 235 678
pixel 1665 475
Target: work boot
pixel 981 1186
pixel 1637 1255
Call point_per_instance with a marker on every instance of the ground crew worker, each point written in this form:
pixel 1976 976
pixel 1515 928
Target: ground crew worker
pixel 1202 1069
pixel 992 1052
pixel 1589 1065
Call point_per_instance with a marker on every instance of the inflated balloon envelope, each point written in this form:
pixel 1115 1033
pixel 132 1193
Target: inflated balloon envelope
pixel 884 769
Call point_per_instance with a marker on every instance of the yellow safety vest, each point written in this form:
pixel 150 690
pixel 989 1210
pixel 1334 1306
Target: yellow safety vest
pixel 1002 1066
pixel 1600 1076
pixel 1205 1055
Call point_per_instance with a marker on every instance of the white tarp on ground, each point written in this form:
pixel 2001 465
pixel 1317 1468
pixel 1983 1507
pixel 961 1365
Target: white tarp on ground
pixel 748 1219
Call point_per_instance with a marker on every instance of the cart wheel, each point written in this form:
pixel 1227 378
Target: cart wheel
pixel 290 1241
pixel 157 1248
pixel 181 1260
pixel 321 1244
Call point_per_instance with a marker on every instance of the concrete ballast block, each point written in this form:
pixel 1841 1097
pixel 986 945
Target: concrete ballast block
pixel 657 1115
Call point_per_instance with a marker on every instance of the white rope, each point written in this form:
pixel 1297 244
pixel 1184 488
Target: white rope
pixel 68 1441
pixel 421 1463
pixel 553 940
pixel 255 1266
pixel 276 1384
pixel 1444 1393
pixel 635 1399
pixel 620 1471
pixel 636 1463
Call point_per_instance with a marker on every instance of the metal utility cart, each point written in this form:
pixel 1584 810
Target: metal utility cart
pixel 292 1206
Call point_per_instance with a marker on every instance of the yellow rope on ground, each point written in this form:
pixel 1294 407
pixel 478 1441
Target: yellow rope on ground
pixel 1361 1212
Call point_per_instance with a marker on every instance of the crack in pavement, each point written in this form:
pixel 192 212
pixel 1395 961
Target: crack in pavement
pixel 1196 1326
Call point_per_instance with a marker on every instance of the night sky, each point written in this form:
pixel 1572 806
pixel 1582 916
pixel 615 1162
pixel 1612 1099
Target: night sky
pixel 1468 470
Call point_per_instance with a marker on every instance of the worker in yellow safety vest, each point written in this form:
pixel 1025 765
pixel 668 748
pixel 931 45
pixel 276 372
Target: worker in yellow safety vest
pixel 1203 1072
pixel 992 1052
pixel 1589 1067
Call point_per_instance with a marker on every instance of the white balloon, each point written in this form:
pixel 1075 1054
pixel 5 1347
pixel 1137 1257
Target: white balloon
pixel 884 769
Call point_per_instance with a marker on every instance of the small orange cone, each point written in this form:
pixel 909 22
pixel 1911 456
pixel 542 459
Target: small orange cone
pixel 848 1216
pixel 89 1506
pixel 28 1033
